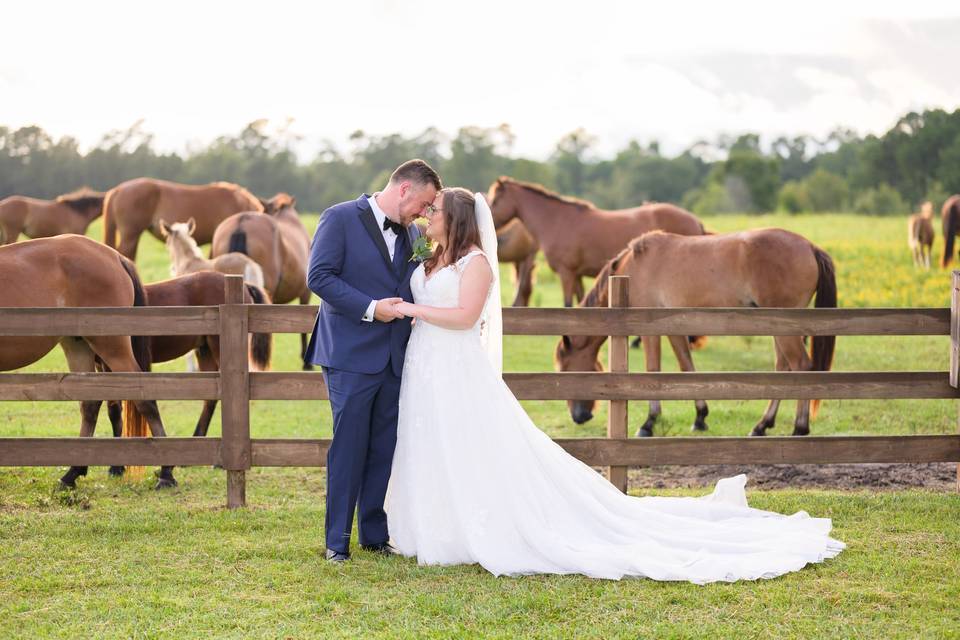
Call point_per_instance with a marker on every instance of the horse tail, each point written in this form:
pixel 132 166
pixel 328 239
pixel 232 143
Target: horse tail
pixel 134 424
pixel 109 220
pixel 821 351
pixel 949 231
pixel 261 344
pixel 238 241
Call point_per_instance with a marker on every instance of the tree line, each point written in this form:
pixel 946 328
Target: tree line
pixel 917 159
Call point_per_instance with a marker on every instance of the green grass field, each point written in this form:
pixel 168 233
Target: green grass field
pixel 115 559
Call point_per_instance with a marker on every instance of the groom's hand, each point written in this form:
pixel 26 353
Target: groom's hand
pixel 385 310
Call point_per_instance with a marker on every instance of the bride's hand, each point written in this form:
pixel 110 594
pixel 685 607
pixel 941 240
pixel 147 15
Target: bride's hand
pixel 406 308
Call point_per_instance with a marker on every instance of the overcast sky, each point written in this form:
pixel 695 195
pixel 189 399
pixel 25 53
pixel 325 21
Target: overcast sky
pixel 671 71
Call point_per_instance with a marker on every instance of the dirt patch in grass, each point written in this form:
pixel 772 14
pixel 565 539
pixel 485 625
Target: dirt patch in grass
pixel 937 475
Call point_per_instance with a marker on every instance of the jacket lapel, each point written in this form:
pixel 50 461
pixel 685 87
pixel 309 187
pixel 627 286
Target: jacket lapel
pixel 370 224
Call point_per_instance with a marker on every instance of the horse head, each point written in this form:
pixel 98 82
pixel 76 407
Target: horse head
pixel 579 353
pixel 278 203
pixel 503 201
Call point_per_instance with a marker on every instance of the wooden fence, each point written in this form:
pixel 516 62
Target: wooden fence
pixel 235 385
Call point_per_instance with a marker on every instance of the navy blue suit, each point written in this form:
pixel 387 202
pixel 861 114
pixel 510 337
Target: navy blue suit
pixel 362 362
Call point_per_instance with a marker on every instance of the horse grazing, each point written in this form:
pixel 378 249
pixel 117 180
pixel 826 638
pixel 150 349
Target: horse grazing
pixel 203 288
pixel 70 213
pixel 516 245
pixel 920 235
pixel 757 268
pixel 185 255
pixel 75 271
pixel 578 238
pixel 950 218
pixel 279 243
pixel 139 205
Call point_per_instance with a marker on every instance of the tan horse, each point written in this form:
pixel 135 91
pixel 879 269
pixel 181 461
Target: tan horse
pixel 515 244
pixel 70 213
pixel 204 288
pixel 140 204
pixel 185 255
pixel 950 218
pixel 279 243
pixel 578 238
pixel 758 268
pixel 75 271
pixel 920 235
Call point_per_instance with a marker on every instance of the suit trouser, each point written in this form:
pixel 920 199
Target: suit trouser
pixel 365 409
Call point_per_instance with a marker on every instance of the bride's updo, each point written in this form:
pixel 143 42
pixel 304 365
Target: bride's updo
pixel 460 222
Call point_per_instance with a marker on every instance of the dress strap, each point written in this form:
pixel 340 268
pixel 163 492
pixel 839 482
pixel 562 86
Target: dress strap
pixel 462 262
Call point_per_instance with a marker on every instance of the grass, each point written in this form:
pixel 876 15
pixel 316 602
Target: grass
pixel 115 559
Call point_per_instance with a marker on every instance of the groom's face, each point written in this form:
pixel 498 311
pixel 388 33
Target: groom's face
pixel 414 200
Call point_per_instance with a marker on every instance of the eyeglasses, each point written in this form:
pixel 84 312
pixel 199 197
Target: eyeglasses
pixel 431 210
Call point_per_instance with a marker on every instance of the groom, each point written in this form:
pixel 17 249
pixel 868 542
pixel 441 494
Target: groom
pixel 360 267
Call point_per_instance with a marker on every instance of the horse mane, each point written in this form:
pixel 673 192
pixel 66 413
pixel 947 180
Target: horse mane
pixel 598 296
pixel 82 199
pixel 541 190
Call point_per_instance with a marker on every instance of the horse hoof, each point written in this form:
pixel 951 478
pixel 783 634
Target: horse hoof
pixel 799 432
pixel 699 426
pixel 308 367
pixel 66 485
pixel 165 483
pixel 116 472
pixel 645 432
pixel 757 431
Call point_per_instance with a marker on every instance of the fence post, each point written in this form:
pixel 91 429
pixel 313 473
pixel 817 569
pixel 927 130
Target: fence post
pixel 234 392
pixel 955 343
pixel 619 363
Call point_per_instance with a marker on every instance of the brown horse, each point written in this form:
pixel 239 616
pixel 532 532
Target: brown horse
pixel 578 238
pixel 75 271
pixel 920 235
pixel 950 218
pixel 279 243
pixel 757 268
pixel 516 245
pixel 204 288
pixel 140 204
pixel 70 213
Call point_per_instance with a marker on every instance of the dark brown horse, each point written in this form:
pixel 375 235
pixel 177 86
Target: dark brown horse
pixel 138 205
pixel 70 213
pixel 203 288
pixel 515 244
pixel 578 238
pixel 75 271
pixel 758 268
pixel 279 243
pixel 950 218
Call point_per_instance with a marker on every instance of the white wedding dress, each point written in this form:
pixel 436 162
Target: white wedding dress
pixel 475 481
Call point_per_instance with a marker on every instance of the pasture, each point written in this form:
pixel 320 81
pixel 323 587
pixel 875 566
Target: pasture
pixel 115 557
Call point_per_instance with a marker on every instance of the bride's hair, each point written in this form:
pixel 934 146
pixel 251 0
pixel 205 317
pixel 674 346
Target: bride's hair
pixel 460 222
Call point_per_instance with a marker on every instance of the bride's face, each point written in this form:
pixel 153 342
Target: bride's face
pixel 436 227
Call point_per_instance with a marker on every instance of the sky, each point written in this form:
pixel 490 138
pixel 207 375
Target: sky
pixel 674 72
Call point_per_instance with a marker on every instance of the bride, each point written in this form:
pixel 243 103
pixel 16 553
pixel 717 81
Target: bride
pixel 475 481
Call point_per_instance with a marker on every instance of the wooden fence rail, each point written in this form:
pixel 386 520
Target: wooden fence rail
pixel 234 385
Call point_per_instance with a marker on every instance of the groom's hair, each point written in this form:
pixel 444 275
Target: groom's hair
pixel 416 171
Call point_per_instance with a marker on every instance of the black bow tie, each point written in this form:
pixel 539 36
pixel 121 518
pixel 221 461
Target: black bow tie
pixel 390 224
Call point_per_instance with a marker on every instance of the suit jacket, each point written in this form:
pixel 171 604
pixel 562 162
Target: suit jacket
pixel 349 267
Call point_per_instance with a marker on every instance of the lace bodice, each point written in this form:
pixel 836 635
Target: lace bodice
pixel 442 288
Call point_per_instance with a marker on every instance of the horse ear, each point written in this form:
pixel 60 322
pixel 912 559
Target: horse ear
pixel 265 204
pixel 164 229
pixel 293 201
pixel 191 226
pixel 566 343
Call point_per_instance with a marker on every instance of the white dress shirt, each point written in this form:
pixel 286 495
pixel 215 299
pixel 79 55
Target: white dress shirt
pixel 389 237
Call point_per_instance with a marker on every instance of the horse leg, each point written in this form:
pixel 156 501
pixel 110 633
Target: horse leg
pixel 129 241
pixel 80 358
pixel 769 418
pixel 681 349
pixel 578 288
pixel 117 354
pixel 207 363
pixel 798 360
pixel 524 274
pixel 651 356
pixel 567 278
pixel 307 366
pixel 9 232
pixel 115 412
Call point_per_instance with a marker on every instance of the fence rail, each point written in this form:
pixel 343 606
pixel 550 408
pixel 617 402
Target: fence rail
pixel 235 386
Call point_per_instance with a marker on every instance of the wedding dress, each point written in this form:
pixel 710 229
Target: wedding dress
pixel 475 481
